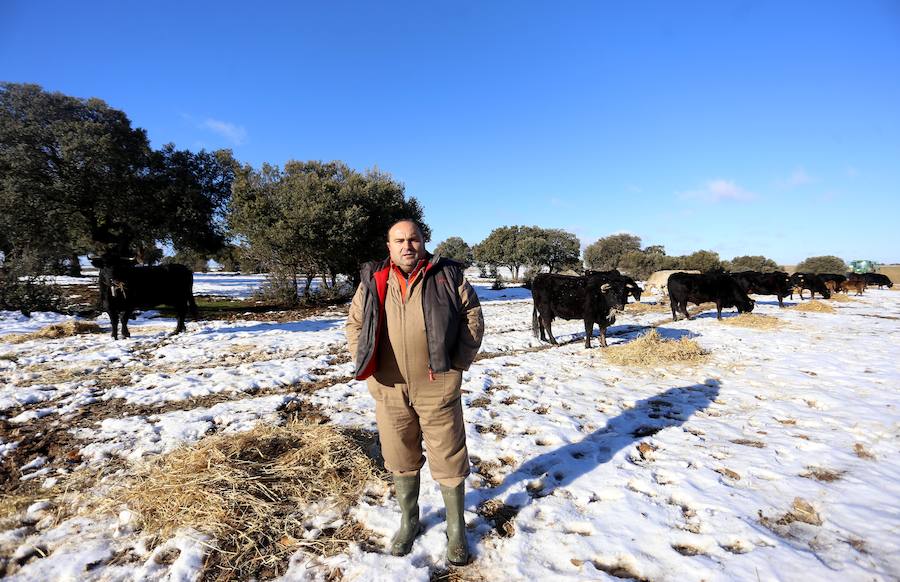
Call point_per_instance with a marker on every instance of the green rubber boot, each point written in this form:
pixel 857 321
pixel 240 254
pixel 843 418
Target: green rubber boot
pixel 457 546
pixel 408 498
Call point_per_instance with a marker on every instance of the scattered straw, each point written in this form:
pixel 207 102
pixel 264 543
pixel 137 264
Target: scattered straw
pixel 57 330
pixel 841 298
pixel 754 320
pixel 815 306
pixel 651 350
pixel 253 493
pixel 645 307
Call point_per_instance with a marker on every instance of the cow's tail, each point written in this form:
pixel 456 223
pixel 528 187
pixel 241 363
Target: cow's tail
pixel 535 322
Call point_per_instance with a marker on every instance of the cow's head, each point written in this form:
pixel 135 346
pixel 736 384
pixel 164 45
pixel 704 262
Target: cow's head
pixel 615 296
pixel 113 274
pixel 746 306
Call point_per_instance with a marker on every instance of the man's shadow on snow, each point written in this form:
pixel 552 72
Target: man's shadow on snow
pixel 545 473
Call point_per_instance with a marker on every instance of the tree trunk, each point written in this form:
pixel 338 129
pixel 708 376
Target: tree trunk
pixel 74 266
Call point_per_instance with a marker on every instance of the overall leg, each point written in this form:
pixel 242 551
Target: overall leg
pixel 401 445
pixel 439 405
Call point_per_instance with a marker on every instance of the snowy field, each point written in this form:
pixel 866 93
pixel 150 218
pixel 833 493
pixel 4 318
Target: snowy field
pixel 776 459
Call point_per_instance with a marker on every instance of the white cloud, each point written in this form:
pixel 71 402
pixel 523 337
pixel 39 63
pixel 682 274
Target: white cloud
pixel 799 178
pixel 236 134
pixel 719 190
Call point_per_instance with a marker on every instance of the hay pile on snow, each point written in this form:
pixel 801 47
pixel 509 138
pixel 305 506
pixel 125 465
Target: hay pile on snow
pixel 57 330
pixel 840 298
pixel 638 307
pixel 754 321
pixel 814 306
pixel 256 494
pixel 651 349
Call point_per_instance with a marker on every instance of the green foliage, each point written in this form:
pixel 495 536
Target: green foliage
pixel 456 249
pixel 822 264
pixel 22 291
pixel 701 261
pixel 605 253
pixel 501 248
pixel 315 217
pixel 197 262
pixel 752 263
pixel 641 264
pixel 76 177
pixel 531 246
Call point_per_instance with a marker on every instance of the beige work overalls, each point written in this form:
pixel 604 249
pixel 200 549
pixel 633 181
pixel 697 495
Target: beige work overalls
pixel 412 405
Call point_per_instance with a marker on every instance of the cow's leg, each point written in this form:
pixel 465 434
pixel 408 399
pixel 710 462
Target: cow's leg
pixel 602 337
pixel 683 308
pixel 550 338
pixel 180 327
pixel 589 331
pixel 719 309
pixel 124 317
pixel 781 301
pixel 674 305
pixel 114 322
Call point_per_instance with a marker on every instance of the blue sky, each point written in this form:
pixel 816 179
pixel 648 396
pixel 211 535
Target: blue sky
pixel 740 127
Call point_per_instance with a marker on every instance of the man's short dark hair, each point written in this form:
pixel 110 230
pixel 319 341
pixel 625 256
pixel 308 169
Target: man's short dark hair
pixel 412 220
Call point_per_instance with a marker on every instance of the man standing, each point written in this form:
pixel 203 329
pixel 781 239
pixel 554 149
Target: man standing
pixel 415 324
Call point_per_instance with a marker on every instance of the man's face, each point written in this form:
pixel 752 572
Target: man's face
pixel 405 246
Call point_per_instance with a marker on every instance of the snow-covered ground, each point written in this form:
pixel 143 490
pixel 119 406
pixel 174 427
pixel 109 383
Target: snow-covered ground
pixel 776 459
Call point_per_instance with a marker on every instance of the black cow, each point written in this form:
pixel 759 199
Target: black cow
pixel 720 288
pixel 811 281
pixel 832 277
pixel 631 287
pixel 776 283
pixel 568 297
pixel 878 279
pixel 125 287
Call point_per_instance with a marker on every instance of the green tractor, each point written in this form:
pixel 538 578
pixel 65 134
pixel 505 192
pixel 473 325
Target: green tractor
pixel 864 266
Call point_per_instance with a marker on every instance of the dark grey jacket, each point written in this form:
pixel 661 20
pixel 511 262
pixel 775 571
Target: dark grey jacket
pixel 443 311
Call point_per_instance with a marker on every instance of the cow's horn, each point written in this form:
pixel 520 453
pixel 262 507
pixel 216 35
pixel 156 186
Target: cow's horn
pixel 605 287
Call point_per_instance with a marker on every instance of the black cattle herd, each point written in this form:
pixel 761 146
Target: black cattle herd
pixel 597 296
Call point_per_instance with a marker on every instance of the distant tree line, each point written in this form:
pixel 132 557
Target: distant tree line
pixel 535 249
pixel 77 178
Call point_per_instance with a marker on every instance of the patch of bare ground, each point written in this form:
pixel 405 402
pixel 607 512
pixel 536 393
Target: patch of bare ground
pixel 480 402
pixel 453 574
pixel 249 492
pixel 862 452
pixel 488 470
pixel 619 568
pixel 502 516
pixel 725 472
pixel 267 313
pixel 688 549
pixel 822 474
pixel 801 511
pixel 749 443
pixel 495 428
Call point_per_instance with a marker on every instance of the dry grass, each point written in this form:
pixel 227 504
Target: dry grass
pixel 754 321
pixel 646 307
pixel 814 306
pixel 841 298
pixel 250 492
pixel 57 330
pixel 652 350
